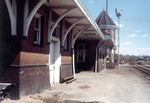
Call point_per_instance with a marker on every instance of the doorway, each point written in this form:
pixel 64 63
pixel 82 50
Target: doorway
pixel 55 61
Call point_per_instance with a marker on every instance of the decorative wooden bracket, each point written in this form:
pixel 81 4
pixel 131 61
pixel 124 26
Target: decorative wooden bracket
pixel 82 30
pixel 69 9
pixel 12 10
pixel 28 17
pixel 65 35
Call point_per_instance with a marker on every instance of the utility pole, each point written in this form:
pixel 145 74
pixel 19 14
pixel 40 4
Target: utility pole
pixel 118 14
pixel 106 6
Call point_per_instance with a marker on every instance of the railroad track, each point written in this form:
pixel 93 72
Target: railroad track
pixel 146 71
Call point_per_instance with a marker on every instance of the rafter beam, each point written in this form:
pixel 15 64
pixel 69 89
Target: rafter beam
pixel 83 24
pixel 63 7
pixel 74 17
pixel 90 30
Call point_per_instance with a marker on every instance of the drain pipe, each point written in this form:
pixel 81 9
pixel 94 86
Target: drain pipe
pixel 96 59
pixel 73 60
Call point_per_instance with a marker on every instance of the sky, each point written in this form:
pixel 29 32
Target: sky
pixel 134 23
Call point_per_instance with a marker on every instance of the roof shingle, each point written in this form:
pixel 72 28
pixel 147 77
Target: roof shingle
pixel 104 19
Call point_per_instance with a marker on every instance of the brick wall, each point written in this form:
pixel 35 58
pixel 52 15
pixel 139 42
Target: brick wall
pixel 67 54
pixel 66 69
pixel 12 76
pixel 34 79
pixel 27 43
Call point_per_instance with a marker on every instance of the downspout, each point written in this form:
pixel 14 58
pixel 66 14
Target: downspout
pixel 96 59
pixel 73 60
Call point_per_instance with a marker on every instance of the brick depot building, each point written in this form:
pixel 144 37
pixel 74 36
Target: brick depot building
pixel 49 40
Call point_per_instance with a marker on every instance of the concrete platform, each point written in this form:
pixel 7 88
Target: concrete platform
pixel 126 85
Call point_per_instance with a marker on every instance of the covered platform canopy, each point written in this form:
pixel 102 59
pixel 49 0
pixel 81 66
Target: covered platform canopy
pixel 83 25
pixel 73 11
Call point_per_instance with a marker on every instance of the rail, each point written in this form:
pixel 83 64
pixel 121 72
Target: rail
pixel 146 71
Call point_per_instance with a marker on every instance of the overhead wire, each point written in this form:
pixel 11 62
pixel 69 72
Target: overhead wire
pixel 126 19
pixel 134 20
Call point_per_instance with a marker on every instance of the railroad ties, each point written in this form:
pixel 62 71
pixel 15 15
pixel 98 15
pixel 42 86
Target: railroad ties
pixel 144 70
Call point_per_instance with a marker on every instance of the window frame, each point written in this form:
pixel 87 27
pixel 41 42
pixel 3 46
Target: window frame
pixel 37 41
pixel 83 51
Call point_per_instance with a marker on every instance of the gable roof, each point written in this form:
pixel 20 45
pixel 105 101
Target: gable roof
pixel 104 19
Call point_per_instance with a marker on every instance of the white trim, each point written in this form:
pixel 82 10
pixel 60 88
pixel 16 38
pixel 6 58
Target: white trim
pixel 38 36
pixel 54 38
pixel 65 36
pixel 12 9
pixel 55 61
pixel 66 43
pixel 73 60
pixel 38 15
pixel 57 21
pixel 82 30
pixel 52 23
pixel 101 49
pixel 108 27
pixel 56 29
pixel 27 19
pixel 89 18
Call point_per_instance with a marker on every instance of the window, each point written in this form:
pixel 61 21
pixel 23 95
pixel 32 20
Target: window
pixel 38 29
pixel 82 53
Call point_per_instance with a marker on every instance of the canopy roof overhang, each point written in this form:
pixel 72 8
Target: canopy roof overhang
pixel 72 10
pixel 104 45
pixel 79 12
